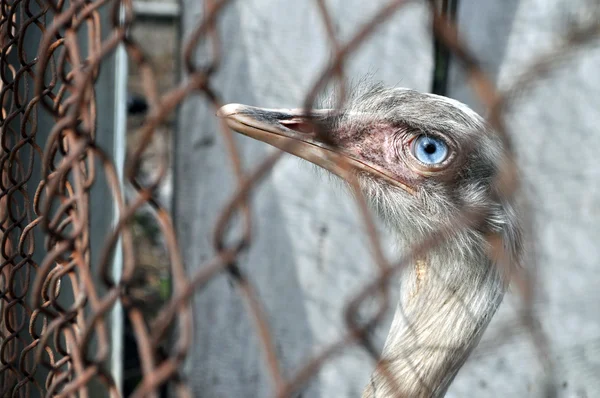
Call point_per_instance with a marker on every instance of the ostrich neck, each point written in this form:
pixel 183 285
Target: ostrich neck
pixel 447 301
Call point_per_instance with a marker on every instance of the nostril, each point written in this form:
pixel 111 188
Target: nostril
pixel 301 126
pixel 312 128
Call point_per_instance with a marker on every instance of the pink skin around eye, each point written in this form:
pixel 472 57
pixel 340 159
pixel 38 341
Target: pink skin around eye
pixel 379 147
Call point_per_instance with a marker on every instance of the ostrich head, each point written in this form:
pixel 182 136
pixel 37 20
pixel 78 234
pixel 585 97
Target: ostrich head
pixel 419 160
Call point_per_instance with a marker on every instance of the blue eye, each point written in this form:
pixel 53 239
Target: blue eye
pixel 430 150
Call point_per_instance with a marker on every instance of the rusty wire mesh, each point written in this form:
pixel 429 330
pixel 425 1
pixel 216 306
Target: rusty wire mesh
pixel 62 349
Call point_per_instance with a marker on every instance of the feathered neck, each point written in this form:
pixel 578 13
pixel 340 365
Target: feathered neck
pixel 447 300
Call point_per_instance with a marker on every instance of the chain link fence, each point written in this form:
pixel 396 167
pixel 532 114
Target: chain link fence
pixel 57 295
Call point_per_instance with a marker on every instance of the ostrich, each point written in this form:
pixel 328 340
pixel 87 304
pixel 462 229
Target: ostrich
pixel 418 159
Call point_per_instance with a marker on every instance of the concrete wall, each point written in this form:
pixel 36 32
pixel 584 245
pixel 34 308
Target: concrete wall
pixel 554 128
pixel 309 254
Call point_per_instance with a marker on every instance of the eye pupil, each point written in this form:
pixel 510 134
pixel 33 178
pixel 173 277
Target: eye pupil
pixel 430 148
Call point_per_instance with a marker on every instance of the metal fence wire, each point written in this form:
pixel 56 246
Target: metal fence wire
pixel 54 330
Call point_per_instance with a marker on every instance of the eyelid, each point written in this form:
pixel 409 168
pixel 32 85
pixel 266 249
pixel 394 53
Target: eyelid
pixel 408 143
pixel 406 136
pixel 448 141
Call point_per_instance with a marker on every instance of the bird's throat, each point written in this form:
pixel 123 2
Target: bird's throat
pixel 447 301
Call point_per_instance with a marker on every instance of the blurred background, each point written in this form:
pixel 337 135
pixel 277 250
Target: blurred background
pixel 172 312
pixel 310 254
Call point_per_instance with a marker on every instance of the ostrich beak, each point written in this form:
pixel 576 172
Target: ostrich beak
pixel 306 136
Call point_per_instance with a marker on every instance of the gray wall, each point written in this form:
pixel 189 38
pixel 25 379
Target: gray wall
pixel 555 132
pixel 310 255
